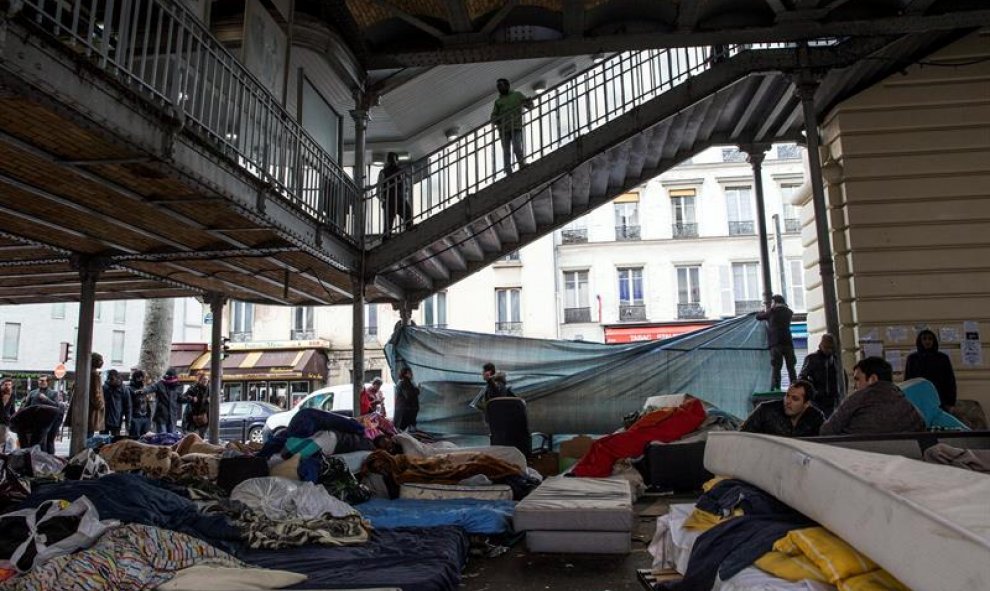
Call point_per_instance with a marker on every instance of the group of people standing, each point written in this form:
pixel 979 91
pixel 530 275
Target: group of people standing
pixel 815 402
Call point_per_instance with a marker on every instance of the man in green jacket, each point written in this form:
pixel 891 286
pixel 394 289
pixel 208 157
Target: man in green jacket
pixel 507 118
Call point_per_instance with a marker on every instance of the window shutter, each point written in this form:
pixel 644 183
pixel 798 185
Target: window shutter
pixel 725 287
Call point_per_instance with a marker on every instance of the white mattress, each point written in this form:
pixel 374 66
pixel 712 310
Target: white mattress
pixel 577 504
pixel 928 525
pixel 579 542
pixel 441 492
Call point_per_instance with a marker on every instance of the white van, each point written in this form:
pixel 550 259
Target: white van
pixel 332 398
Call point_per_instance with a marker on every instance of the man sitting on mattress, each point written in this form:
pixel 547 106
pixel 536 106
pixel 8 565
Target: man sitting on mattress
pixel 877 405
pixel 793 416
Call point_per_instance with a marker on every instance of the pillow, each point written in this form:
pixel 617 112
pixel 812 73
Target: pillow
pixel 831 554
pixel 411 446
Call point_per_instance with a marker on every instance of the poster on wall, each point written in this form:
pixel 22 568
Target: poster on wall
pixel 948 334
pixel 263 48
pixel 870 344
pixel 896 360
pixel 971 348
pixel 897 334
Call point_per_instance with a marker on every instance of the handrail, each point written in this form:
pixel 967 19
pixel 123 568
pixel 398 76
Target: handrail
pixel 574 107
pixel 162 51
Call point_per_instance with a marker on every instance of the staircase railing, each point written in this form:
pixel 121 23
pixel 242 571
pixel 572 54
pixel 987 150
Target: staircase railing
pixel 417 190
pixel 162 51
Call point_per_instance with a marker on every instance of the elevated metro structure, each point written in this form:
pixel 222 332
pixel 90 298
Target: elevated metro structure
pixel 140 158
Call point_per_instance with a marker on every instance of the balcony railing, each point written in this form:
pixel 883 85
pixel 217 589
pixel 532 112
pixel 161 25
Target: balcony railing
pixel 792 225
pixel 240 337
pixel 160 50
pixel 575 315
pixel 574 235
pixel 685 230
pixel 302 335
pixel 626 233
pixel 741 228
pixel 435 325
pixel 511 328
pixel 632 312
pixel 690 311
pixel 748 306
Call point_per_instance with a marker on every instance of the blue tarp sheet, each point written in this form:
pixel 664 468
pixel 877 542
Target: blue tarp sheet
pixel 577 386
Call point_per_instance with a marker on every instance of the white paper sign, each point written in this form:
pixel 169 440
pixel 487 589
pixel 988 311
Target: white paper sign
pixel 971 348
pixel 948 334
pixel 897 334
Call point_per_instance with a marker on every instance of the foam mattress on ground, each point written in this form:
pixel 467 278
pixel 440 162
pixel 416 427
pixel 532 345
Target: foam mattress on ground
pixel 928 525
pixel 577 504
pixel 474 516
pixel 579 542
pixel 441 492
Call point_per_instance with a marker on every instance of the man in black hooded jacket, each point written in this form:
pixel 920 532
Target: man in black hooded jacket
pixel 933 365
pixel 117 399
pixel 168 401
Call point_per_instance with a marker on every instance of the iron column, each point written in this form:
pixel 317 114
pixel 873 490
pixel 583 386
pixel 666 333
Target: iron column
pixel 755 155
pixel 89 272
pixel 216 302
pixel 360 116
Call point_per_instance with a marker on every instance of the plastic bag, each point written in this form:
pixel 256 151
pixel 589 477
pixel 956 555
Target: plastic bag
pixel 270 495
pixel 52 529
pixel 14 487
pixel 86 465
pixel 312 501
pixel 44 463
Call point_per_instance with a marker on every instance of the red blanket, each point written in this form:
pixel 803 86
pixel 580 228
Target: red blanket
pixel 666 425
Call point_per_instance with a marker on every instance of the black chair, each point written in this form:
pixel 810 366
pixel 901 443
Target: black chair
pixel 509 426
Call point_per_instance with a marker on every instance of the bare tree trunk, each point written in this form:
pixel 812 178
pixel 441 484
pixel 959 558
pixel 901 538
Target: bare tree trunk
pixel 156 342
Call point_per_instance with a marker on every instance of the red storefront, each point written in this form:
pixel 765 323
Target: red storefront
pixel 631 333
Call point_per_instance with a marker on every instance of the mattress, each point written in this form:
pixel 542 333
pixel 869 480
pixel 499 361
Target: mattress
pixel 579 542
pixel 577 504
pixel 412 559
pixel 440 492
pixel 928 525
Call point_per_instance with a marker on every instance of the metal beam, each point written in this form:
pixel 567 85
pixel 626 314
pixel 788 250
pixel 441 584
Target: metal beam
pixel 790 31
pixel 688 12
pixel 460 20
pixel 766 84
pixel 412 20
pixel 573 18
pixel 498 17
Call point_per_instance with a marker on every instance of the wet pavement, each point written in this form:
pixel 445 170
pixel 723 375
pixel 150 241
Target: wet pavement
pixel 518 570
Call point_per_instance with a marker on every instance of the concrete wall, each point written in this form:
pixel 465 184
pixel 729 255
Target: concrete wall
pixel 908 181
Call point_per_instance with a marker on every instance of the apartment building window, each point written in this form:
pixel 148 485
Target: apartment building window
pixel 792 213
pixel 739 210
pixel 746 287
pixel 242 321
pixel 576 306
pixel 627 217
pixel 11 341
pixel 512 257
pixel 58 310
pixel 120 312
pixel 795 284
pixel 683 213
pixel 733 154
pixel 508 311
pixel 370 321
pixel 302 323
pixel 788 151
pixel 689 292
pixel 435 310
pixel 631 305
pixel 575 232
pixel 117 348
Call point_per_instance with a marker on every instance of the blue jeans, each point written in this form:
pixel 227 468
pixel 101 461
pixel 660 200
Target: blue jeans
pixel 138 427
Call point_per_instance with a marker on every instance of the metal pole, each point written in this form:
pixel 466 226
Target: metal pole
pixel 755 155
pixel 360 116
pixel 780 254
pixel 89 273
pixel 806 92
pixel 216 302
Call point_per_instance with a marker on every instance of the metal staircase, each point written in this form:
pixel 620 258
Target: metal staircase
pixel 605 131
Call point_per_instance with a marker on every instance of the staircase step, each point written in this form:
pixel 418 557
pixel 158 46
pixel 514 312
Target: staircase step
pixel 561 194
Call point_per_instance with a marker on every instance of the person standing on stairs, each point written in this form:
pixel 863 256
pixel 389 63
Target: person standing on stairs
pixel 507 117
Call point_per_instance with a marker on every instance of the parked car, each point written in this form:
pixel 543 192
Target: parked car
pixel 244 420
pixel 333 399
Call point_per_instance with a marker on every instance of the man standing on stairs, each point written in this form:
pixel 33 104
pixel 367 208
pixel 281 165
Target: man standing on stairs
pixel 507 118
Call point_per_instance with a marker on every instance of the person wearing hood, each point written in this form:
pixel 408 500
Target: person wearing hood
pixel 197 417
pixel 406 400
pixel 168 401
pixel 117 399
pixel 141 408
pixel 821 368
pixel 778 318
pixel 933 365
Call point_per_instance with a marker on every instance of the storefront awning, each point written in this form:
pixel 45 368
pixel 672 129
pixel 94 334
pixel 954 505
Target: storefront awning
pixel 280 364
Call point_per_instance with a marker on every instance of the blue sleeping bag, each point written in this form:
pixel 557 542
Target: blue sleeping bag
pixel 473 515
pixel 924 397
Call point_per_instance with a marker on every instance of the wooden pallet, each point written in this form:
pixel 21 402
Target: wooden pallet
pixel 650 579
